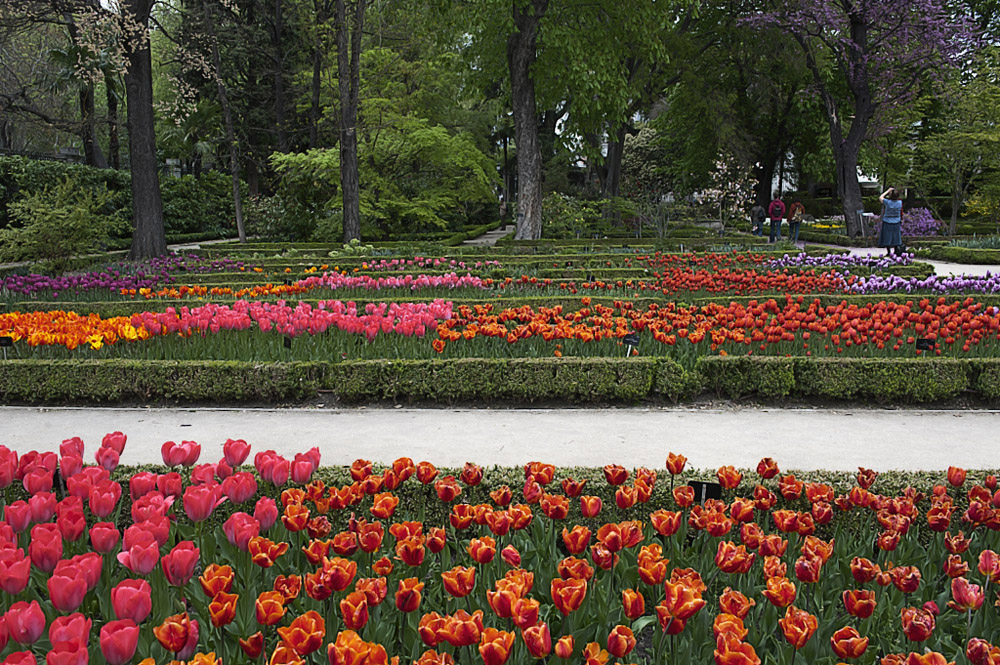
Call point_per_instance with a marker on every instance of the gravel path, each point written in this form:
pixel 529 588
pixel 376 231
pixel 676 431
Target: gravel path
pixel 806 439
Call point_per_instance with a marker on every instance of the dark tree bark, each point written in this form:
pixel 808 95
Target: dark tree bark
pixel 521 51
pixel 349 81
pixel 314 96
pixel 279 78
pixel 227 120
pixel 148 236
pixel 114 144
pixel 88 128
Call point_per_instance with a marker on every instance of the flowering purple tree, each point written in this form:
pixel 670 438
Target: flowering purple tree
pixel 866 57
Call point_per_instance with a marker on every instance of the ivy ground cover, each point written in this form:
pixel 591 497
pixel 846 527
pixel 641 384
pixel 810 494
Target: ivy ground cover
pixel 286 561
pixel 748 303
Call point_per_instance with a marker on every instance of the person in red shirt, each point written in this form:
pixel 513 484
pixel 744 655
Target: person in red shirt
pixel 776 211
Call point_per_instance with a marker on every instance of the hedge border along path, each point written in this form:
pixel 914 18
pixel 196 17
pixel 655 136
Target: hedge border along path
pixel 518 380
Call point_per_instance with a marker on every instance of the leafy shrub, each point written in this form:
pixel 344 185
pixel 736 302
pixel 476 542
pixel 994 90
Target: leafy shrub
pixel 56 223
pixel 198 205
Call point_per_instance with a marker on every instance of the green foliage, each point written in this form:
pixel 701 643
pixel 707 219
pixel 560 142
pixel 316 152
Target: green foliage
pixel 499 380
pixel 198 205
pixel 414 177
pixel 56 223
pixel 565 216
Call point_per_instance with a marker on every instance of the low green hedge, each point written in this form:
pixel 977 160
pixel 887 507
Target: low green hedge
pixel 961 254
pixel 519 380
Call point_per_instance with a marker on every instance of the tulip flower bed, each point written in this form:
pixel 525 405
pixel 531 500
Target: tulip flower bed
pixel 287 562
pixel 254 329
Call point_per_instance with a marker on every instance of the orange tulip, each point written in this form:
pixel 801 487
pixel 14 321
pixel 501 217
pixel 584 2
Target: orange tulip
pixel 774 567
pixel 350 649
pixel 573 568
pixel 411 551
pixel 675 464
pixel 459 582
pixel 426 473
pixel 931 658
pixel 374 588
pixel 728 624
pixel 593 654
pixel 354 610
pixel 555 506
pixel 564 647
pixel 215 579
pixel 222 609
pixel 956 476
pixel 767 468
pixel 499 522
pixel 252 646
pixel 447 488
pixel 590 506
pixel 430 628
pixel 173 633
pixel 577 540
pixel 264 551
pixel 955 566
pixel 682 600
pixel 863 570
pixel 295 517
pixel 573 488
pixel 734 602
pixel 798 626
pixel 603 557
pixel 495 646
pixel 729 477
pixel 633 603
pixel 370 535
pixel 482 550
pixel 408 595
pixel 780 591
pixel 683 495
pixel 431 657
pixel 808 569
pixel 615 474
pixel 524 612
pixel 741 510
pixel 502 496
pixel 732 559
pixel 270 608
pixel 666 522
pixel 472 474
pixel 848 643
pixel 462 515
pixel 316 551
pixel 285 655
pixel 384 505
pixel 859 602
pixel 305 634
pixel 383 566
pixel 688 577
pixel 653 571
pixel 621 641
pixel 965 596
pixel 288 586
pixel 568 594
pixel 906 578
pixel 538 639
pixel 918 623
pixel 731 651
pixel 462 629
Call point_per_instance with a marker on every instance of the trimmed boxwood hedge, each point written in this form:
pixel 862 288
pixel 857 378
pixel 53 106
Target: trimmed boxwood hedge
pixel 505 380
pixel 961 254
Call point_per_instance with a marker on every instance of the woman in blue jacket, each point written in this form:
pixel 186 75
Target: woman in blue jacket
pixel 891 234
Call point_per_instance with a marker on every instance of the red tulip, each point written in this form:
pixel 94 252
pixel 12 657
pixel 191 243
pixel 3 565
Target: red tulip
pixel 266 513
pixel 178 566
pixel 15 570
pixel 235 451
pixel 201 500
pixel 18 515
pixel 675 463
pixel 132 599
pixel 798 626
pixel 67 587
pixel 142 554
pixel 621 641
pixel 25 621
pixel 185 453
pixel 119 640
pixel 107 458
pixel 956 476
pixel 918 623
pixel 848 643
pixel 965 596
pixel 46 546
pixel 859 603
pixel 239 487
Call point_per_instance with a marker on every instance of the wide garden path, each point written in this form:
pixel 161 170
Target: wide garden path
pixel 798 438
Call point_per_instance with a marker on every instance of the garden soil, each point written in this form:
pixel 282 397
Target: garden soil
pixel 798 438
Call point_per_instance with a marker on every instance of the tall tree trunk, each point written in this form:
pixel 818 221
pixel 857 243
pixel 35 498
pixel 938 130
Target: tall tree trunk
pixel 521 50
pixel 114 145
pixel 764 173
pixel 227 120
pixel 956 201
pixel 148 236
pixel 314 97
pixel 88 126
pixel 616 149
pixel 349 81
pixel 279 79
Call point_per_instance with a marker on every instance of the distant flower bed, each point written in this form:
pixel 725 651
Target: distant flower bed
pixel 918 222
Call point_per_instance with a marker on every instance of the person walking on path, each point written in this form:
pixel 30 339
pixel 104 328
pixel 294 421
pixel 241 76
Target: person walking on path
pixel 776 211
pixel 891 233
pixel 796 212
pixel 757 217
